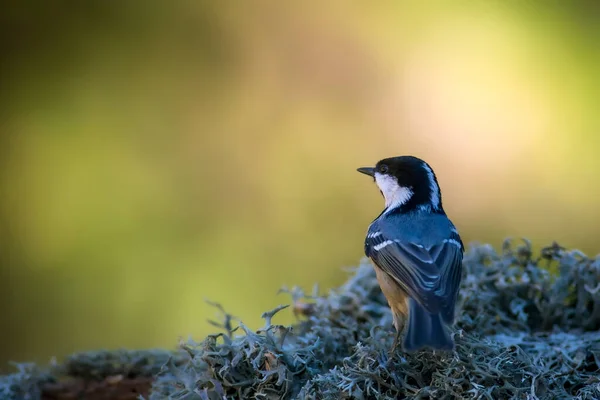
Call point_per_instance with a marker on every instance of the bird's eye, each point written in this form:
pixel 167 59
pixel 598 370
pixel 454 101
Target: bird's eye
pixel 383 168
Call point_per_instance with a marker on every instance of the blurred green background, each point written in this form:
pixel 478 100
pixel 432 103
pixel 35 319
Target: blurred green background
pixel 154 154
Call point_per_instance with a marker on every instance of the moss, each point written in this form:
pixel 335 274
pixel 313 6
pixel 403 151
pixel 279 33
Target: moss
pixel 522 333
pixel 121 374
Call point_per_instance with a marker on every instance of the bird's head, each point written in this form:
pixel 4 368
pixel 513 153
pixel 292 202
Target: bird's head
pixel 407 183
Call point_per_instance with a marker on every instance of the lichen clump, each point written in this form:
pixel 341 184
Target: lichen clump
pixel 522 333
pixel 527 328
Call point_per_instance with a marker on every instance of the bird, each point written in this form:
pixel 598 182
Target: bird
pixel 416 252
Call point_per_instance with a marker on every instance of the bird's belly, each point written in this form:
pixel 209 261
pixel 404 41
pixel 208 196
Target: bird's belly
pixel 395 295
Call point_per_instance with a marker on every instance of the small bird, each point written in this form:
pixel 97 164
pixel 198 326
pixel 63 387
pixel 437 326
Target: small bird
pixel 416 251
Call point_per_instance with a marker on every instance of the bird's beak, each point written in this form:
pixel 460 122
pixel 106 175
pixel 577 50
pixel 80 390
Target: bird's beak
pixel 367 171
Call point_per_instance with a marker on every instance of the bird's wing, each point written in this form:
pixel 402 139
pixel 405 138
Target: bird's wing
pixel 430 275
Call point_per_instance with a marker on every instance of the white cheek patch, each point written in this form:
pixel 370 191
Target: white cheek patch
pixel 394 194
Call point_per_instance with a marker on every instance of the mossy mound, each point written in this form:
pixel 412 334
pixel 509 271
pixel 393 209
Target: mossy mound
pixel 522 333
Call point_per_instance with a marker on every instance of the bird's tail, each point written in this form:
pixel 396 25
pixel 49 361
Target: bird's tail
pixel 425 330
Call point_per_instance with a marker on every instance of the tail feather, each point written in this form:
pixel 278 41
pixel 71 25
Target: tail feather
pixel 425 330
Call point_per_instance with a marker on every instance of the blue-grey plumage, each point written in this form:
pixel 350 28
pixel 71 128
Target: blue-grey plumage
pixel 416 251
pixel 425 330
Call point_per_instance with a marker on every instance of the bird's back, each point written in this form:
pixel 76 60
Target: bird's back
pixel 420 228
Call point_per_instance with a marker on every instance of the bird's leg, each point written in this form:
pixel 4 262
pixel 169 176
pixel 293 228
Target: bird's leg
pixel 399 325
pixel 395 344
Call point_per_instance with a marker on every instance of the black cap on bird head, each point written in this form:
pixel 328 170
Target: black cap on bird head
pixel 407 183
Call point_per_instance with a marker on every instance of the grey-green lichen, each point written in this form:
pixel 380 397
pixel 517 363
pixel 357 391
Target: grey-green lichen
pixel 527 328
pixel 26 384
pixel 522 333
